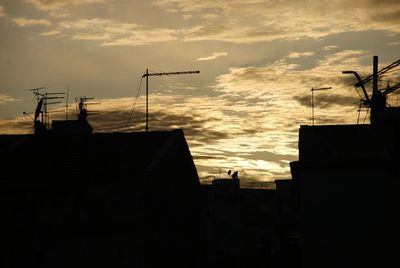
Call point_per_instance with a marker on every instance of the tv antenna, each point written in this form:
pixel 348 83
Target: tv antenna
pixel 66 104
pixel 371 101
pixel 82 104
pixel 147 74
pixel 43 100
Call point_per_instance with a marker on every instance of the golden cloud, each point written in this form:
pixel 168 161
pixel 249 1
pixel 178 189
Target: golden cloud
pixel 5 99
pixel 253 21
pixel 213 56
pixel 56 4
pixel 26 22
pixel 2 12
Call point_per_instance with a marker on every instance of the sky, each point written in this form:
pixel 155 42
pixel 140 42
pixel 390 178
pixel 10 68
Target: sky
pixel 258 60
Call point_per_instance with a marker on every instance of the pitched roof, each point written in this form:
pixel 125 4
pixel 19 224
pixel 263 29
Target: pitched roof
pixel 69 157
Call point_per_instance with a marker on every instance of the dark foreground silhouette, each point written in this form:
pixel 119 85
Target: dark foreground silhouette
pixel 73 198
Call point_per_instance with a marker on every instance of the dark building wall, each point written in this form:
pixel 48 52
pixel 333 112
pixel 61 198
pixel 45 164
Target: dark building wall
pixel 250 227
pixel 106 200
pixel 180 209
pixel 348 187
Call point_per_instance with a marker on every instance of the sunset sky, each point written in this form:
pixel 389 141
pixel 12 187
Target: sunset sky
pixel 258 60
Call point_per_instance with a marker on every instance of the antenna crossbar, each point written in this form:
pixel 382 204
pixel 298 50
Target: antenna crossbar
pixel 170 73
pixel 147 74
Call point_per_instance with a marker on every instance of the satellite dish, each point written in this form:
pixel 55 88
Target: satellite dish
pixel 235 175
pixel 38 109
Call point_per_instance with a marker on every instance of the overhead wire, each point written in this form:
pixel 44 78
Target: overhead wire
pixel 134 105
pixel 351 84
pixel 391 71
pixel 358 107
pixel 348 112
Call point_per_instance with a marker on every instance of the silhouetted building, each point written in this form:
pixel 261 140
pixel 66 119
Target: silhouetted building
pixel 251 227
pixel 348 178
pixel 71 198
pixel 226 185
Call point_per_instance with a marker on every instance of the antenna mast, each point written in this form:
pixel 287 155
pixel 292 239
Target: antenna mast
pixel 46 102
pixel 66 104
pixel 377 100
pixel 312 100
pixel 42 103
pixel 147 74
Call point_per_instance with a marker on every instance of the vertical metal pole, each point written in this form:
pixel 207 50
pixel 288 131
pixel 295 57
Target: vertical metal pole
pixel 375 116
pixel 147 100
pixel 312 100
pixel 45 110
pixel 375 74
pixel 66 105
pixel 42 118
pixel 312 106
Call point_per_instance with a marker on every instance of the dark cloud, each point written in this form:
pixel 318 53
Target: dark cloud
pixel 326 120
pixel 235 113
pixel 327 101
pixel 194 128
pixel 391 17
pixel 380 3
pixel 250 131
pixel 270 156
pixel 207 157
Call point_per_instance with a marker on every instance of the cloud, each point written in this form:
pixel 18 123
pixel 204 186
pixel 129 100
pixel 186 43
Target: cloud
pixel 253 122
pixel 56 4
pixel 250 120
pixel 254 21
pixel 114 114
pixel 4 99
pixel 144 37
pixel 327 48
pixel 2 12
pixel 99 25
pixel 300 54
pixel 19 125
pixel 186 17
pixel 91 37
pixel 111 33
pixel 327 101
pixel 283 89
pixel 232 143
pixel 235 22
pixel 193 127
pixel 285 76
pixel 26 22
pixel 49 33
pixel 213 56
